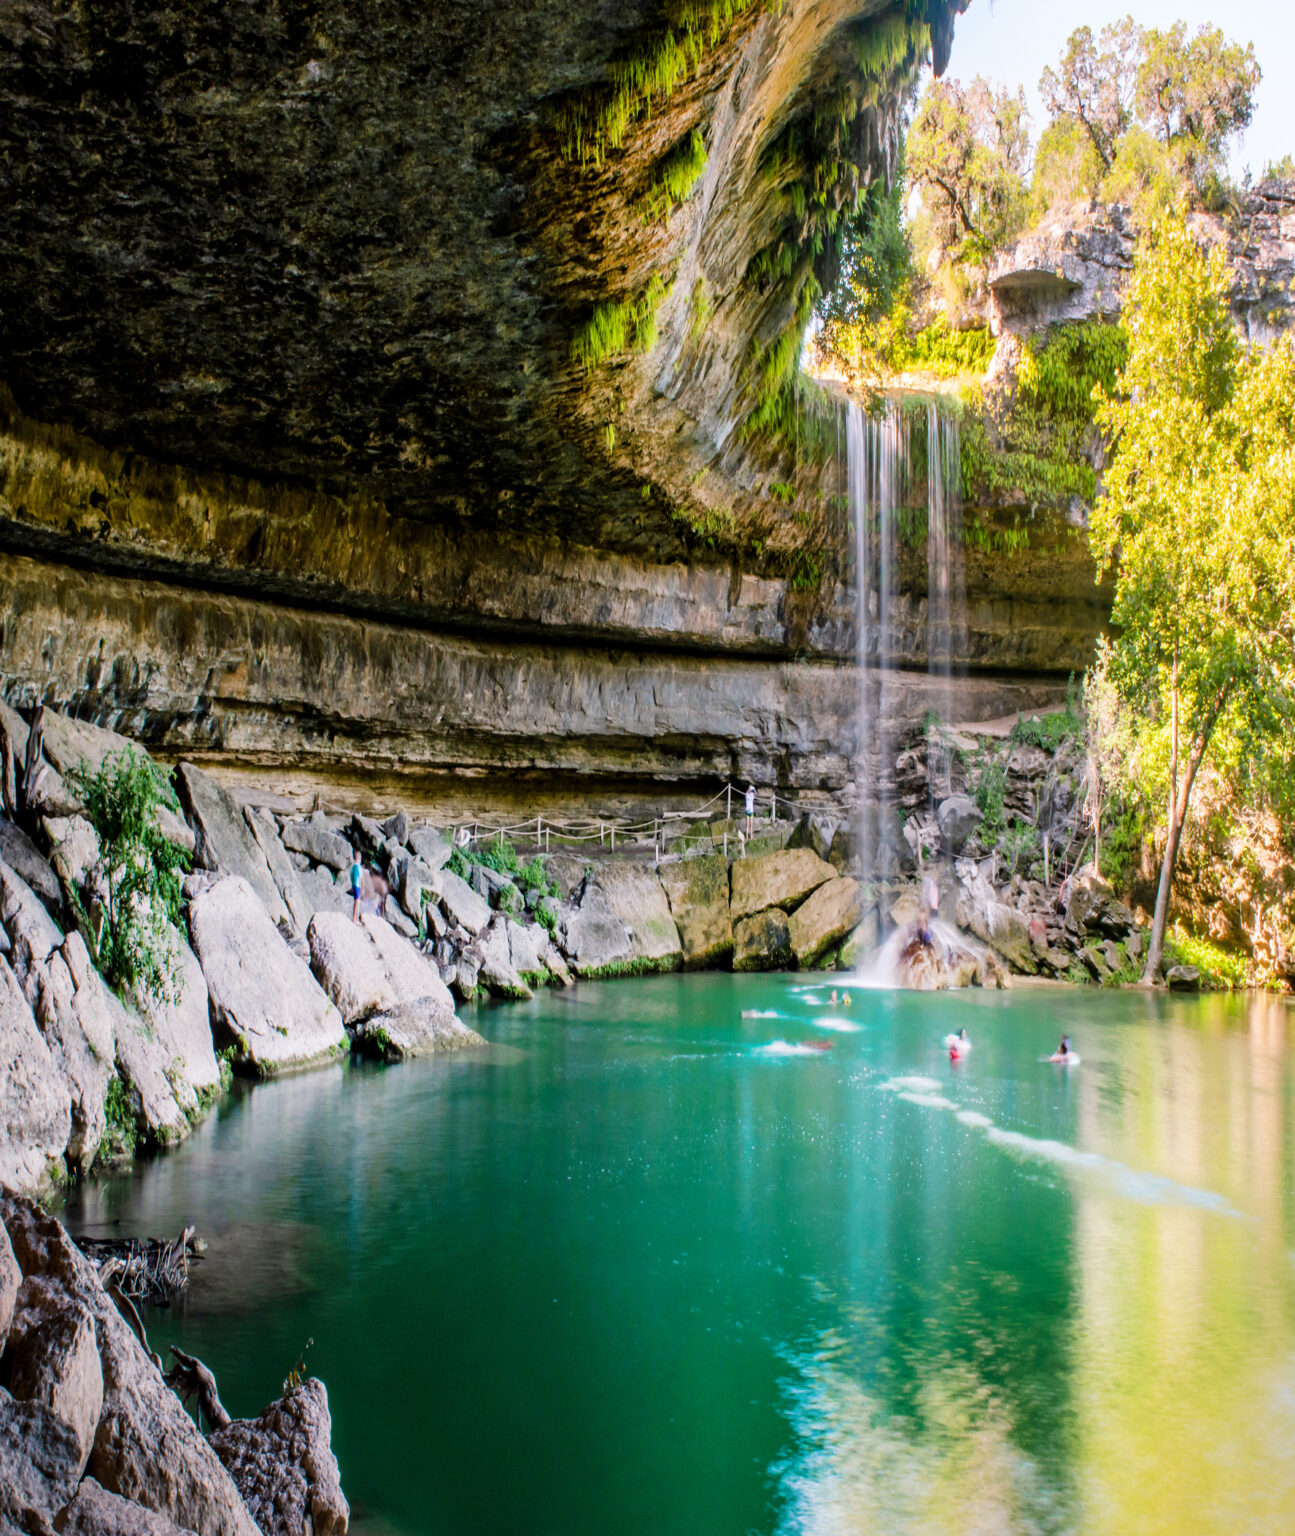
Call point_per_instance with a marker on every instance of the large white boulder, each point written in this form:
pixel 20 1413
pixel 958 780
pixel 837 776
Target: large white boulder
pixel 263 997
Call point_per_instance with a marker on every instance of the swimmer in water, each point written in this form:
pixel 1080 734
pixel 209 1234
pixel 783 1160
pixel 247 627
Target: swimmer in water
pixel 1065 1051
pixel 820 1045
pixel 832 999
pixel 958 1045
pixel 845 999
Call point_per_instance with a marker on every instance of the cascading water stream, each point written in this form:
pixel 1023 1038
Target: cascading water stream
pixel 879 460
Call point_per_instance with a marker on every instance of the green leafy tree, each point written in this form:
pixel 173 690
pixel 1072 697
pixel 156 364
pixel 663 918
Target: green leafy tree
pixel 1195 92
pixel 968 150
pixel 1198 520
pixel 133 931
pixel 1094 86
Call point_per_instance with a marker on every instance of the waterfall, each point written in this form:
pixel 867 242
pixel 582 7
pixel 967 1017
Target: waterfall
pixel 880 470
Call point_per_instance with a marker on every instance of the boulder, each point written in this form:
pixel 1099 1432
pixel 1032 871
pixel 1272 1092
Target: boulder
pixel 814 831
pixel 568 872
pixel 146 1447
pixel 554 963
pixel 225 841
pixel 460 902
pixel 430 846
pixel 859 943
pixel 286 878
pixel 366 968
pixel 57 1365
pixel 324 892
pixel 1003 928
pixel 1183 978
pixel 593 936
pixel 697 890
pixel 825 919
pixel 264 999
pixel 524 946
pixel 397 827
pixel 317 840
pixel 467 970
pixel 634 896
pixel 959 816
pixel 1094 958
pixel 74 846
pixel 762 942
pixel 181 1030
pixel 413 1029
pixel 367 834
pixel 76 1013
pixel 396 917
pixel 420 887
pixel 283 1465
pixel 1083 897
pixel 1115 918
pixel 40 1462
pixel 95 1512
pixel 145 1071
pixel 25 859
pixel 10 1280
pixel 496 964
pixel 35 1105
pixel 780 879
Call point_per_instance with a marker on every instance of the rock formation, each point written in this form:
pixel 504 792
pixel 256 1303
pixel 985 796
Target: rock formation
pixel 94 1440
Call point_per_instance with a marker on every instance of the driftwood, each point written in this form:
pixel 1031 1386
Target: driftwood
pixel 189 1377
pixel 144 1268
pixel 130 1312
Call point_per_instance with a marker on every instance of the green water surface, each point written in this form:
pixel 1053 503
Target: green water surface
pixel 649 1267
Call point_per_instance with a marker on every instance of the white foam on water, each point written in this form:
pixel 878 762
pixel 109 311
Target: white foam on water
pixel 842 1026
pixel 974 1119
pixel 1145 1188
pixel 762 1013
pixel 928 1100
pixel 787 1048
pixel 912 1085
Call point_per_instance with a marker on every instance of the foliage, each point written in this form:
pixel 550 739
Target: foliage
pixel 122 1131
pixel 1020 456
pixel 677 175
pixel 968 150
pixel 1218 966
pixel 1062 379
pixel 701 310
pixel 1198 521
pixel 298 1375
pixel 1052 730
pixel 1094 86
pixel 620 325
pixel 596 122
pixel 134 938
pixel 1143 117
pixel 990 792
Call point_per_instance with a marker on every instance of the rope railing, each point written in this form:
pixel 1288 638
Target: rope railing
pixel 606 830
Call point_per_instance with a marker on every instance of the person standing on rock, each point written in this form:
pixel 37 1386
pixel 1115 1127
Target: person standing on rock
pixel 357 886
pixel 750 809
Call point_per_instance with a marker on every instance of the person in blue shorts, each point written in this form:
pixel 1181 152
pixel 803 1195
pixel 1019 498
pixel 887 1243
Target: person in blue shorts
pixel 357 885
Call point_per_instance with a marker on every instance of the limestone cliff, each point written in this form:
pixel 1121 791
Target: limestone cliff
pixel 368 366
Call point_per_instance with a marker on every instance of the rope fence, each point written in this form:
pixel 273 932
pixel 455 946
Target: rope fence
pixel 542 830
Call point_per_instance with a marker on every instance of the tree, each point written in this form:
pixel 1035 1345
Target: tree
pixel 969 150
pixel 1095 85
pixel 139 871
pixel 1196 92
pixel 1198 519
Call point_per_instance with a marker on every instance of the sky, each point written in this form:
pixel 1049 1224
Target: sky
pixel 1010 42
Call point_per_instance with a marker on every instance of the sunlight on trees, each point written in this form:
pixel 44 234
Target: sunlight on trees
pixel 1198 522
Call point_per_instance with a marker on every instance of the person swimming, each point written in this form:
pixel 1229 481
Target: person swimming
pixel 845 999
pixel 832 999
pixel 958 1045
pixel 1065 1051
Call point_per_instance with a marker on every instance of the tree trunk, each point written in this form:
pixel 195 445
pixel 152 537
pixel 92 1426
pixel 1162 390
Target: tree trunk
pixel 1177 817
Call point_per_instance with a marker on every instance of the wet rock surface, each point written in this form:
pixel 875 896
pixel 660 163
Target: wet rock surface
pixel 94 1442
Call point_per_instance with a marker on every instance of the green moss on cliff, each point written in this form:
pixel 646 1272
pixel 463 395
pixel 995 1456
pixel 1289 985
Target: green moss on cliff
pixel 619 326
pixel 677 175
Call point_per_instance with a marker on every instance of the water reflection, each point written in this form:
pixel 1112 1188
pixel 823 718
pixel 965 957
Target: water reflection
pixel 642 1274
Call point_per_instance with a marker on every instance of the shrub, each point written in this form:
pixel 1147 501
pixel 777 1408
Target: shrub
pixel 1216 965
pixel 133 938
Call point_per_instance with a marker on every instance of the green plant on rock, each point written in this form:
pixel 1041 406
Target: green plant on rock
pixel 122 1133
pixel 619 326
pixel 990 792
pixel 676 176
pixel 1218 967
pixel 132 936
